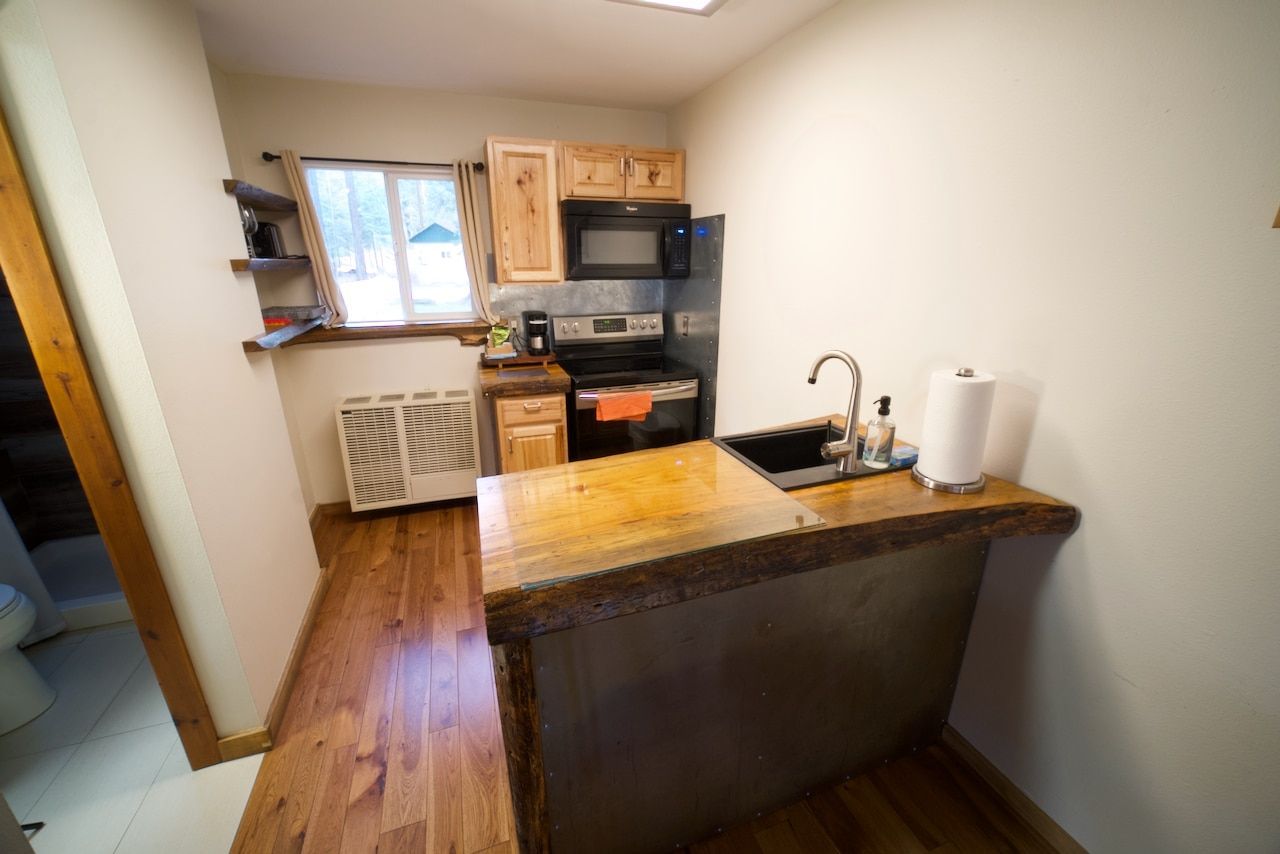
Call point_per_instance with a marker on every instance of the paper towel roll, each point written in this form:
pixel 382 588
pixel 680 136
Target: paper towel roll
pixel 955 426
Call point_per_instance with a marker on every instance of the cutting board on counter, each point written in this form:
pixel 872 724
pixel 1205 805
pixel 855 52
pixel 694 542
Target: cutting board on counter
pixel 552 524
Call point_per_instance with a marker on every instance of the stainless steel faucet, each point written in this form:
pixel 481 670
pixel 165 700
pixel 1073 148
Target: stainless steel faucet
pixel 846 450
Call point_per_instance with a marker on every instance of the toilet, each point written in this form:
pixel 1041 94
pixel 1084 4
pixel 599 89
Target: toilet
pixel 23 692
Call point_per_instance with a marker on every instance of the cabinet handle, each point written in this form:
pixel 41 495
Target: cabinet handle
pixel 510 449
pixel 622 165
pixel 631 166
pixel 533 406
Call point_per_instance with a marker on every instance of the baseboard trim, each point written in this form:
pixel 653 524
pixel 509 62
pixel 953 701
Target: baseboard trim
pixel 280 701
pixel 1015 797
pixel 243 744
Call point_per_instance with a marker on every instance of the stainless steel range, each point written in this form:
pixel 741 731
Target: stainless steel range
pixel 615 354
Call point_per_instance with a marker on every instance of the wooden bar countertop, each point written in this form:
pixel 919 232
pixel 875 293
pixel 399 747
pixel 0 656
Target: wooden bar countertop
pixel 569 545
pixel 523 379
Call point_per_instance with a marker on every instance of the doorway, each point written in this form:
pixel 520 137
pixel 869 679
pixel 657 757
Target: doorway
pixel 33 285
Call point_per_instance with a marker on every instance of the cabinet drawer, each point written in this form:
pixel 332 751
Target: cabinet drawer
pixel 530 410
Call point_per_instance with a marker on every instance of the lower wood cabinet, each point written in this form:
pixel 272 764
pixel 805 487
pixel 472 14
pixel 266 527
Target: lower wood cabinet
pixel 532 432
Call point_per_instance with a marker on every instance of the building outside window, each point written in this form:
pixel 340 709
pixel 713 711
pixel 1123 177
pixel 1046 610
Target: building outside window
pixel 392 235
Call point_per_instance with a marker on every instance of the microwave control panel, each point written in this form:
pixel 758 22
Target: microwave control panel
pixel 607 327
pixel 678 262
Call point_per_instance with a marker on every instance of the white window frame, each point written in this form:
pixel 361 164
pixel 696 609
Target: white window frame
pixel 390 173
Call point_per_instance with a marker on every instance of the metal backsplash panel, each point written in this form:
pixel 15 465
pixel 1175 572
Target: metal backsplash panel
pixel 691 314
pixel 631 296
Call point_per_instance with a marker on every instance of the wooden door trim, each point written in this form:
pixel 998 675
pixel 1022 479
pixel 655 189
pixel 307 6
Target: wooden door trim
pixel 42 308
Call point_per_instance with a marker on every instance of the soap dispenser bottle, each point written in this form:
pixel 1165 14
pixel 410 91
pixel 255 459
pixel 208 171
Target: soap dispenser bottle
pixel 878 448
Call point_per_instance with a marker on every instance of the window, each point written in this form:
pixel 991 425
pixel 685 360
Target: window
pixel 392 235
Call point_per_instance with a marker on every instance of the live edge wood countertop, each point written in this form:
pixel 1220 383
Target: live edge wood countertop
pixel 520 380
pixel 570 545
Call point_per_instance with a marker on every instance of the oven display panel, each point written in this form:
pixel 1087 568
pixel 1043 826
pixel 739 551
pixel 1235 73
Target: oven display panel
pixel 609 324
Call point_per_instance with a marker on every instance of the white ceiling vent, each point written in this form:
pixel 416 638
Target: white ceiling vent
pixel 408 447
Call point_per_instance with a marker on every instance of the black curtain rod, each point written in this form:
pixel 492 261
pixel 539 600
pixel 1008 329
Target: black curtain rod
pixel 269 157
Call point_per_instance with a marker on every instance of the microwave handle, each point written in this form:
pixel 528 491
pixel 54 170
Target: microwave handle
pixel 666 245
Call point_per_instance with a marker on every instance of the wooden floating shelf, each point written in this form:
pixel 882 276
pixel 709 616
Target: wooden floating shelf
pixel 522 359
pixel 470 333
pixel 278 337
pixel 257 265
pixel 256 197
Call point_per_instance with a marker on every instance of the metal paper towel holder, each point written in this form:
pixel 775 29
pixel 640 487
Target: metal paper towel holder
pixel 941 486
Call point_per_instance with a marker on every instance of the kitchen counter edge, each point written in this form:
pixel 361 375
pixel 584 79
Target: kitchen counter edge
pixel 493 384
pixel 865 518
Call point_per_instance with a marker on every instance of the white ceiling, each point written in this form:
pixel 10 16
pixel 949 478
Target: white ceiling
pixel 575 51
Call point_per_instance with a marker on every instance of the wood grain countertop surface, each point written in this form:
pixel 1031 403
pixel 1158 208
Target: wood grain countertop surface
pixel 519 380
pixel 569 545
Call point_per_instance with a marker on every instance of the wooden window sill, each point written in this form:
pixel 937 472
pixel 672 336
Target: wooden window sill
pixel 471 333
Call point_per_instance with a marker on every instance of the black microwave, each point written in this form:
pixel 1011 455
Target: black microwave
pixel 625 240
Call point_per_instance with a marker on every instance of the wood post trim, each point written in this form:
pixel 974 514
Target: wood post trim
pixel 247 743
pixel 42 308
pixel 522 735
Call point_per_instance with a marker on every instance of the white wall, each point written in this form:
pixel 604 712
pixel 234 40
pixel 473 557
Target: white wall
pixel 1079 198
pixel 381 123
pixel 113 107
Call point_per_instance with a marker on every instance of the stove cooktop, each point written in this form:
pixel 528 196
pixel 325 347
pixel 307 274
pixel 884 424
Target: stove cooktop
pixel 620 349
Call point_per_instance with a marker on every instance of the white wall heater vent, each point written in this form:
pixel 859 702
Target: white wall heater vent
pixel 408 447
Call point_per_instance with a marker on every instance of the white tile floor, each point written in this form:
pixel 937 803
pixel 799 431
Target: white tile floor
pixel 103 767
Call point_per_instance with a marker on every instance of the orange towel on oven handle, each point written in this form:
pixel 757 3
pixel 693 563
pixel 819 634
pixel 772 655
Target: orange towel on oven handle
pixel 624 406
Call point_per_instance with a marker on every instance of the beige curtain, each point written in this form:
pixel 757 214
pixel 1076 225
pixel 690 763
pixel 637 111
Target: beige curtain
pixel 313 237
pixel 464 176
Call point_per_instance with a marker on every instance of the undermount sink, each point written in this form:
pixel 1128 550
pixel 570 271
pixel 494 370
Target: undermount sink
pixel 790 459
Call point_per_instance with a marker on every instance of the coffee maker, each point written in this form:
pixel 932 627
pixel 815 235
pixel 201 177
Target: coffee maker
pixel 535 333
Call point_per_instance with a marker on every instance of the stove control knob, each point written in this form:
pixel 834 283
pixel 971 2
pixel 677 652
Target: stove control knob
pixel 564 327
pixel 654 323
pixel 633 323
pixel 575 326
pixel 644 324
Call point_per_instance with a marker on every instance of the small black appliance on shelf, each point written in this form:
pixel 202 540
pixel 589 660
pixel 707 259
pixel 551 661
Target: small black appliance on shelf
pixel 535 333
pixel 267 242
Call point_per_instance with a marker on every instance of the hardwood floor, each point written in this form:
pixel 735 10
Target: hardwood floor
pixel 391 740
pixel 928 802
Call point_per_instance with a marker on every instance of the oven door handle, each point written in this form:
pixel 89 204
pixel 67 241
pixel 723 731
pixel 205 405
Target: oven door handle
pixel 658 393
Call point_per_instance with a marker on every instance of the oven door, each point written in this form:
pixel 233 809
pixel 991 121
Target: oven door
pixel 674 419
pixel 614 247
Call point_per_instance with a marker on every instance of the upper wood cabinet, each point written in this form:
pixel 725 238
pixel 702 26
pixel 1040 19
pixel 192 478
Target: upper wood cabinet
pixel 525 209
pixel 589 171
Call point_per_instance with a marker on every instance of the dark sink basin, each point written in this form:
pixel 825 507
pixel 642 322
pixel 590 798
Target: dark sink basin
pixel 790 459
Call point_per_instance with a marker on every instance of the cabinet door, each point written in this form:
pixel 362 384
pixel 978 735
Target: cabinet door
pixel 592 171
pixel 533 446
pixel 655 173
pixel 526 215
pixel 532 431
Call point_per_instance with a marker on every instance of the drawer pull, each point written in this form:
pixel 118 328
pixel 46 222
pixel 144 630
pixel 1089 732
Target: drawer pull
pixel 533 406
